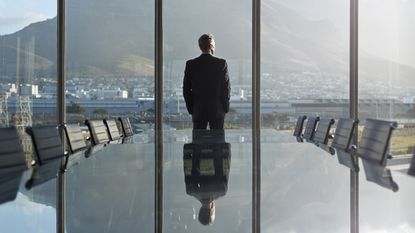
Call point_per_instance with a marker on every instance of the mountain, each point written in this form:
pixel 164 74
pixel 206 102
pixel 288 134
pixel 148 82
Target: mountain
pixel 116 38
pixel 31 45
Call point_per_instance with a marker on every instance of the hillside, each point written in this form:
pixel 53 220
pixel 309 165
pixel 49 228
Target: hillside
pixel 109 38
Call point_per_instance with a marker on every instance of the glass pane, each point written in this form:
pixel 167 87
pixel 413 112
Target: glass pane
pixel 207 173
pixel 386 67
pixel 304 71
pixel 110 75
pixel 110 61
pixel 230 23
pixel 304 62
pixel 386 92
pixel 27 98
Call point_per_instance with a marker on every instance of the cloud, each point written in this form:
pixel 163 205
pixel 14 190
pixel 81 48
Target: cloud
pixel 13 24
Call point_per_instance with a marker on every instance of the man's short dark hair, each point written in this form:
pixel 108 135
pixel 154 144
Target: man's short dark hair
pixel 204 215
pixel 204 41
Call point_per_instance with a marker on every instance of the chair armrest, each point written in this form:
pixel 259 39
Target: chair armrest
pixel 33 163
pixel 353 150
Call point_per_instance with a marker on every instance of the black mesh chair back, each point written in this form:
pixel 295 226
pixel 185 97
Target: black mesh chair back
pixel 411 170
pixel 322 133
pixel 310 128
pixel 76 141
pixel 342 143
pixel 208 136
pixel 298 131
pixel 344 134
pixel 373 150
pixel 47 143
pixel 208 146
pixel 98 132
pixel 112 128
pixel 127 129
pixel 374 144
pixel 12 158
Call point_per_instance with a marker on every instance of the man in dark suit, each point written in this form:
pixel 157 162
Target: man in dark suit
pixel 206 87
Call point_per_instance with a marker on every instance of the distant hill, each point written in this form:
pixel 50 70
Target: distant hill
pixel 112 38
pixel 36 42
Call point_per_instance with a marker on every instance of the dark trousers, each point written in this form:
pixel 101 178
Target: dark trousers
pixel 213 124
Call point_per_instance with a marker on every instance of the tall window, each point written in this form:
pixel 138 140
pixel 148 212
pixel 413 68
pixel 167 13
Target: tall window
pixel 110 74
pixel 304 71
pixel 230 23
pixel 110 61
pixel 387 91
pixel 28 97
pixel 387 68
pixel 304 63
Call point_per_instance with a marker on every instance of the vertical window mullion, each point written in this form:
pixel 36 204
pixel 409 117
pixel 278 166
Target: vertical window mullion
pixel 158 90
pixel 256 123
pixel 354 176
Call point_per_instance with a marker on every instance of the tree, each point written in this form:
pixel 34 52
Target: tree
pixel 411 112
pixel 100 111
pixel 75 108
pixel 274 119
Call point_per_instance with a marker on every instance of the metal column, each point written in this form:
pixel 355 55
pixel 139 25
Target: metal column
pixel 354 105
pixel 158 90
pixel 61 108
pixel 256 116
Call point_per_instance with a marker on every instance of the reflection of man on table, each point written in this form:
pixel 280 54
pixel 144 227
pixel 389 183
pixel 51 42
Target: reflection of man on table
pixel 206 168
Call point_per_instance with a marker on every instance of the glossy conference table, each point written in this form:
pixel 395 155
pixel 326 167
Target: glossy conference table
pixel 303 189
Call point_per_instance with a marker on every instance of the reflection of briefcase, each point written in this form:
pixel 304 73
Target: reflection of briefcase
pixel 207 159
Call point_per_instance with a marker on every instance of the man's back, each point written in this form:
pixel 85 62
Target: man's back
pixel 206 87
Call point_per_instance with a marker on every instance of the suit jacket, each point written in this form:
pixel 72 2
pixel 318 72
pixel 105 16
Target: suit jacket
pixel 206 87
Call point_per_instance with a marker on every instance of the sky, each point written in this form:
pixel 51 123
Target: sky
pixel 386 27
pixel 17 14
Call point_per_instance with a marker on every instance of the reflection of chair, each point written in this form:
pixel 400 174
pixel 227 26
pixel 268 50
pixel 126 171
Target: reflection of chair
pixel 91 151
pixel 127 129
pixel 47 143
pixel 298 131
pixel 76 141
pixel 42 174
pixel 112 128
pixel 208 136
pixel 342 143
pixel 9 186
pixel 12 158
pixel 12 164
pixel 321 136
pixel 98 132
pixel 411 170
pixel 373 149
pixel 310 128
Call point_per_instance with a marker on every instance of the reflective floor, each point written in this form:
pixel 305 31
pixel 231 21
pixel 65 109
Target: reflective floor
pixel 207 188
